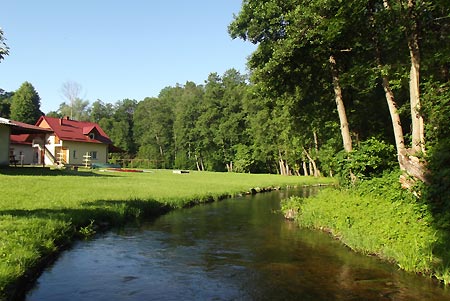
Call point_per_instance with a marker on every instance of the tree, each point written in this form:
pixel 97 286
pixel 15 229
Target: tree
pixel 4 49
pixel 231 136
pixel 5 103
pixel 25 104
pixel 71 92
pixel 296 38
pixel 187 110
pixel 78 109
pixel 153 126
pixel 100 110
pixel 123 117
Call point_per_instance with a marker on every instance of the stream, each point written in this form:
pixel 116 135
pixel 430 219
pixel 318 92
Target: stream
pixel 235 249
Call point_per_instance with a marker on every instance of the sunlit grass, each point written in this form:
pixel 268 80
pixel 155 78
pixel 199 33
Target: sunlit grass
pixel 391 225
pixel 41 210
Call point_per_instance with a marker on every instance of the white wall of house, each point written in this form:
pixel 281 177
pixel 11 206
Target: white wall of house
pixel 4 145
pixel 29 154
pixel 50 145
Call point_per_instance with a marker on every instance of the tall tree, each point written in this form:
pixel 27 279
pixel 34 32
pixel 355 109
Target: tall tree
pixel 296 37
pixel 187 110
pixel 230 133
pixel 5 103
pixel 25 104
pixel 117 121
pixel 71 91
pixel 153 126
pixel 78 109
pixel 100 110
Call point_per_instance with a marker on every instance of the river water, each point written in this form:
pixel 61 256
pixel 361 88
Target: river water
pixel 236 249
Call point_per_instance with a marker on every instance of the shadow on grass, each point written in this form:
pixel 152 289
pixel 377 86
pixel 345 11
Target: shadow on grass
pixel 436 193
pixel 47 171
pixel 116 213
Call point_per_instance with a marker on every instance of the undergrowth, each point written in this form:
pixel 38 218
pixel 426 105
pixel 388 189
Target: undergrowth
pixel 377 217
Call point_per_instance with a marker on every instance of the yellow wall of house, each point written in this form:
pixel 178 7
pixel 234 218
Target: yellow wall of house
pixel 81 148
pixel 4 145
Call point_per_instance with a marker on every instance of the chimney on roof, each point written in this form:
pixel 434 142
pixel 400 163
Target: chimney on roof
pixel 63 118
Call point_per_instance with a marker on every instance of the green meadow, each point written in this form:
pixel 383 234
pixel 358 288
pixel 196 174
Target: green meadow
pixel 42 211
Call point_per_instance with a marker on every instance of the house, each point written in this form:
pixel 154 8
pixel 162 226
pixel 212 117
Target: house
pixel 74 142
pixel 20 147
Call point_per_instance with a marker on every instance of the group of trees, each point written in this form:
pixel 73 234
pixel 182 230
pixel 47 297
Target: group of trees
pixel 22 105
pixel 367 56
pixel 352 88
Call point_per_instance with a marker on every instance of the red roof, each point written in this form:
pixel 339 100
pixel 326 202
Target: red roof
pixel 21 139
pixel 74 130
pixel 18 128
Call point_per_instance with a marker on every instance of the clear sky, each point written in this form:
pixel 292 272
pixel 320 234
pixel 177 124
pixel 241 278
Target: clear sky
pixel 117 49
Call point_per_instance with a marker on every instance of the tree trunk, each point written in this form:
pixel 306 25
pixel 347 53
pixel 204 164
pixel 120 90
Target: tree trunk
pixel 345 131
pixel 316 142
pixel 305 170
pixel 418 136
pixel 201 164
pixel 408 163
pixel 312 165
pixel 229 166
pixel 196 162
pixel 282 167
pixel 161 152
pixel 393 110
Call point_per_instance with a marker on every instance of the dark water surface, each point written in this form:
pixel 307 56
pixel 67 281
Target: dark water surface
pixel 237 249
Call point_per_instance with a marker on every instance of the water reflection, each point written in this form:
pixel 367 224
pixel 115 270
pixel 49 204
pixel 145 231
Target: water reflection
pixel 237 249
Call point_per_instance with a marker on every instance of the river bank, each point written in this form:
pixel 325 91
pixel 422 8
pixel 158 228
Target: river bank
pixel 378 218
pixel 58 207
pixel 238 249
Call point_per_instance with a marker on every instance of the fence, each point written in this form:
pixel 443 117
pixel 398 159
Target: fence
pixel 139 163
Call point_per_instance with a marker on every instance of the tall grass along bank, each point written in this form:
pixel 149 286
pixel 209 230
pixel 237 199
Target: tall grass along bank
pixel 378 218
pixel 42 211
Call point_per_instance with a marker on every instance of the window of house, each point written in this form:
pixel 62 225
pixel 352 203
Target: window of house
pixel 94 155
pixel 74 154
pixel 92 135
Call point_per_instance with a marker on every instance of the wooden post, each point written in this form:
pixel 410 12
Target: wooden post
pixel 86 159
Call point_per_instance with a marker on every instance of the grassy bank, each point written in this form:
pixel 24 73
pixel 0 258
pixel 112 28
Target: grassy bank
pixel 43 210
pixel 378 218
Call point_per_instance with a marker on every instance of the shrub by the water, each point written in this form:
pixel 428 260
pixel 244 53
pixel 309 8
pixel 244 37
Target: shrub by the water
pixel 379 218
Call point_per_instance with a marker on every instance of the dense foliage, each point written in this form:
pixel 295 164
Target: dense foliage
pixel 321 99
pixel 4 49
pixel 25 104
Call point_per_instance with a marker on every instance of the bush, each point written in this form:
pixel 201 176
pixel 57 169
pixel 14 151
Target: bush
pixel 392 228
pixel 378 217
pixel 371 159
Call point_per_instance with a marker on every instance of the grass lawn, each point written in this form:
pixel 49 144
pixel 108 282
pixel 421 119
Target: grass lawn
pixel 43 210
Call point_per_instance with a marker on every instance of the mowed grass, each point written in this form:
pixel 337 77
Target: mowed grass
pixel 43 210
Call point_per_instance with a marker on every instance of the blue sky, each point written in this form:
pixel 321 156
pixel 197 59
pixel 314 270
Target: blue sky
pixel 117 49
